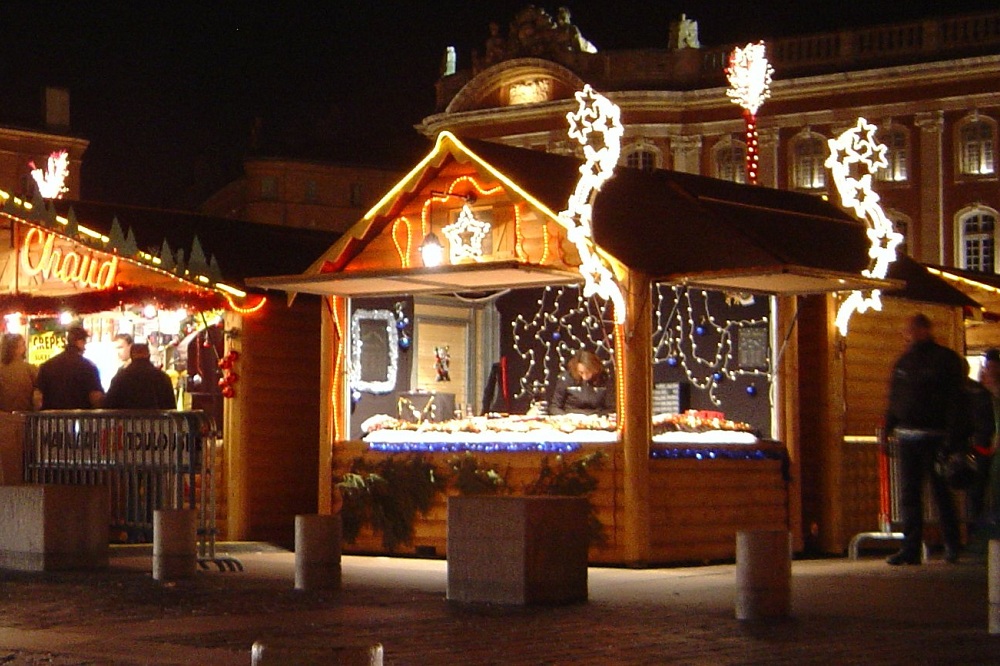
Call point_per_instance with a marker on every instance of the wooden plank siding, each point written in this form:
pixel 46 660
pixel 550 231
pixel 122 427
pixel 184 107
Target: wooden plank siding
pixel 696 506
pixel 844 384
pixel 272 425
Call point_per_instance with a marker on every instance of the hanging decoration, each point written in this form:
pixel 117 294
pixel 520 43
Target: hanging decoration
pixel 853 151
pixel 564 322
pixel 442 363
pixel 403 338
pixel 749 74
pixel 384 320
pixel 51 181
pixel 229 376
pixel 465 236
pixel 595 125
pixel 688 336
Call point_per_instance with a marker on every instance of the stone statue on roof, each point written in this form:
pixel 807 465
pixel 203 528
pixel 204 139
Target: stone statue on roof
pixel 569 36
pixel 683 34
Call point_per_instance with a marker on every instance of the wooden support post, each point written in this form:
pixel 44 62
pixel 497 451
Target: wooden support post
pixel 636 402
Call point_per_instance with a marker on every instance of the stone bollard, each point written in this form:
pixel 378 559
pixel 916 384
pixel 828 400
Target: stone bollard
pixel 763 574
pixel 357 655
pixel 175 544
pixel 317 552
pixel 993 580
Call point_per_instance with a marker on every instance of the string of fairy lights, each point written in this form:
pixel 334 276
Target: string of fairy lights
pixel 688 336
pixel 564 322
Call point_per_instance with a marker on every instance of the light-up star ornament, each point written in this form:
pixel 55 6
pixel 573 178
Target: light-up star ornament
pixel 52 181
pixel 749 74
pixel 596 125
pixel 857 149
pixel 465 236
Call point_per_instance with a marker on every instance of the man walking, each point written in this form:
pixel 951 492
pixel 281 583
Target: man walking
pixel 925 415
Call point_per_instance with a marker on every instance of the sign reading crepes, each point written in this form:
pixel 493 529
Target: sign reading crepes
pixel 43 346
pixel 40 256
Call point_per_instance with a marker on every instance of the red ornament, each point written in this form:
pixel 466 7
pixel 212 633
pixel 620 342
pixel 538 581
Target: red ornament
pixel 228 392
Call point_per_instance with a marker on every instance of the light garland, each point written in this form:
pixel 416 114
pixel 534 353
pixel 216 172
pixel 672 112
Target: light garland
pixel 855 148
pixel 404 255
pixel 245 310
pixel 338 359
pixel 465 236
pixel 564 322
pixel 387 317
pixel 749 74
pixel 477 447
pixel 675 341
pixel 739 452
pixel 595 115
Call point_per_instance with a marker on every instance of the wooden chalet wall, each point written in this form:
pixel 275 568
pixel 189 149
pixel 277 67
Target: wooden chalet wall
pixel 696 506
pixel 272 425
pixel 844 387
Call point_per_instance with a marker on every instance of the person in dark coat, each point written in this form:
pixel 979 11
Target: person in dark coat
pixel 68 380
pixel 585 387
pixel 925 415
pixel 140 384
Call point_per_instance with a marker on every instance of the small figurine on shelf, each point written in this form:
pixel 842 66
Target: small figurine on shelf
pixel 442 363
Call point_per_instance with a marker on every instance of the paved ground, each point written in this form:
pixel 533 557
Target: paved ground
pixel 844 612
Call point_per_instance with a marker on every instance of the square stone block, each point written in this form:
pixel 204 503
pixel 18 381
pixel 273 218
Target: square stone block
pixel 517 550
pixel 51 527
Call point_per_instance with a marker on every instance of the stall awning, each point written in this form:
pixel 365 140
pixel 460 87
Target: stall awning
pixel 450 279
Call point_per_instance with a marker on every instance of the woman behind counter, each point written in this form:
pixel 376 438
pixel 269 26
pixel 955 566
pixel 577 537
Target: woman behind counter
pixel 17 376
pixel 585 387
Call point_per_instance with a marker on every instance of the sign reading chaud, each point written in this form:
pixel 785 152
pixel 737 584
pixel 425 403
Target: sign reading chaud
pixel 40 256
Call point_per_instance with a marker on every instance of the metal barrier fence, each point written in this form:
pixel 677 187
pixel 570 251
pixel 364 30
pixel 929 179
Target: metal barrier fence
pixel 148 459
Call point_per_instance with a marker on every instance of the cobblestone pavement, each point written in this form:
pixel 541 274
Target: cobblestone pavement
pixel 844 612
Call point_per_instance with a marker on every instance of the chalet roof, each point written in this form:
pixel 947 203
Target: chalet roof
pixel 242 249
pixel 674 227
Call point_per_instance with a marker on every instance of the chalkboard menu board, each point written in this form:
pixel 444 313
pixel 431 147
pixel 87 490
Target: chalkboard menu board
pixel 671 397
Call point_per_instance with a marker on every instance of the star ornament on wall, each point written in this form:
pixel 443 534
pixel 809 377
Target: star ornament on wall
pixel 465 236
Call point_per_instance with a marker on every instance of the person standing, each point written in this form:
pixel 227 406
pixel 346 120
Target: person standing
pixel 924 414
pixel 17 377
pixel 585 388
pixel 123 348
pixel 140 384
pixel 68 380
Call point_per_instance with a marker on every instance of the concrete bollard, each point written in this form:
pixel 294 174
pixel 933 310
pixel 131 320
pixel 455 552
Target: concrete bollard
pixel 317 552
pixel 357 655
pixel 993 580
pixel 763 574
pixel 175 544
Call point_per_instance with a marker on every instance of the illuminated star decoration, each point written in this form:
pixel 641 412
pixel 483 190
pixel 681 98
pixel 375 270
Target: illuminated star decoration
pixel 857 148
pixel 595 117
pixel 465 236
pixel 52 181
pixel 749 74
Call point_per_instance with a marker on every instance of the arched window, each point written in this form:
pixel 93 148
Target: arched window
pixel 977 239
pixel 809 152
pixel 896 140
pixel 976 147
pixel 730 160
pixel 642 155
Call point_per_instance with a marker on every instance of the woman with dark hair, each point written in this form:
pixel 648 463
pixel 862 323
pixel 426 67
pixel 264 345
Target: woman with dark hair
pixel 585 387
pixel 17 376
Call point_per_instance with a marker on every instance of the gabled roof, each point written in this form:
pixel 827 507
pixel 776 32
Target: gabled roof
pixel 672 226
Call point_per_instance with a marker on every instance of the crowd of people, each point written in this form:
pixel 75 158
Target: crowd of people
pixel 69 380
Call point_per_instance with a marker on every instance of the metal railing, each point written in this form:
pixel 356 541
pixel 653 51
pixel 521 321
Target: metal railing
pixel 148 459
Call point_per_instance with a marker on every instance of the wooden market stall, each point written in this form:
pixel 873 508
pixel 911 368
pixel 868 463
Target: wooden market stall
pixel 668 490
pixel 176 281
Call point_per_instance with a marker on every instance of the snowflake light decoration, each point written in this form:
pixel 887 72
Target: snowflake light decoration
pixel 853 150
pixel 51 181
pixel 465 236
pixel 596 125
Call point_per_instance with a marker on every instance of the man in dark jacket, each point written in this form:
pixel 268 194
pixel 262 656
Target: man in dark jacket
pixel 140 385
pixel 68 380
pixel 925 414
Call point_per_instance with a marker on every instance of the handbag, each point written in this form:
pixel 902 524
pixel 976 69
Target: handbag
pixel 957 468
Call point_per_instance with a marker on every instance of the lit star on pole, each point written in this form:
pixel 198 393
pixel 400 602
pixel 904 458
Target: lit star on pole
pixel 749 75
pixel 465 236
pixel 856 149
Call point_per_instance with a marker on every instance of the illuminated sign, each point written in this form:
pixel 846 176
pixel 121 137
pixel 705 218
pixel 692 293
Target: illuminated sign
pixel 43 346
pixel 40 256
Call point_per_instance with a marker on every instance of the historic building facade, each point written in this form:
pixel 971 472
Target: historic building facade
pixel 929 86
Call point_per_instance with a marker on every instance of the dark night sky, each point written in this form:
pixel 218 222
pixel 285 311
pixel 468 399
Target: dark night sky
pixel 167 92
